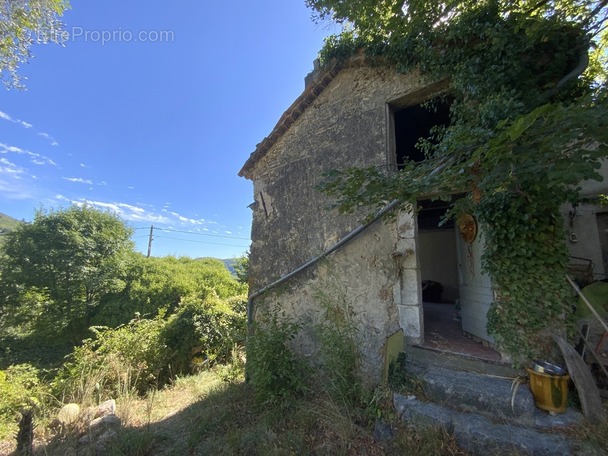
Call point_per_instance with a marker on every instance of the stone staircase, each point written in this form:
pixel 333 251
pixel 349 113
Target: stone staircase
pixel 473 400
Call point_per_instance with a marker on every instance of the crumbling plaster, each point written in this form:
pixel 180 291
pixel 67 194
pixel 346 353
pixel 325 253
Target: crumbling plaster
pixel 376 273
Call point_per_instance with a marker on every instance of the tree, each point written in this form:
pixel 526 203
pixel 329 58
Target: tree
pixel 161 284
pixel 241 268
pixel 61 265
pixel 527 124
pixel 23 23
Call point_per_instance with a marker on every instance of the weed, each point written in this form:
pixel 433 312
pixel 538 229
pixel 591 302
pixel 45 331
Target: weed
pixel 276 371
pixel 427 440
pixel 339 353
pixel 402 381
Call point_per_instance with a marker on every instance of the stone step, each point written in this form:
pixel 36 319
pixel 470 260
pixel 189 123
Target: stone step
pixel 442 358
pixel 478 435
pixel 488 395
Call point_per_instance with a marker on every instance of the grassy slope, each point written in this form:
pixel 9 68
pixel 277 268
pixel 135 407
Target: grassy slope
pixel 7 224
pixel 203 414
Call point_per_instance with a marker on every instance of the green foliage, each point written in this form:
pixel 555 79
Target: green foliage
pixel 69 258
pixel 162 283
pixel 20 387
pixel 526 256
pixel 148 353
pixel 25 22
pixel 241 268
pixel 207 329
pixel 7 224
pixel 339 348
pixel 276 372
pixel 527 125
pixel 117 362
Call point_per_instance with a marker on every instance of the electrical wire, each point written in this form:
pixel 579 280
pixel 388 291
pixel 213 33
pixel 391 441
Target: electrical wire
pixel 198 242
pixel 200 234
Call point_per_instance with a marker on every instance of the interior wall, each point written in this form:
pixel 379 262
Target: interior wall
pixel 437 256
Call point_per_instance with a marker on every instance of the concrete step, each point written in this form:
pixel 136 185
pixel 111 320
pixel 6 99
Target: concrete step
pixel 479 435
pixel 473 399
pixel 491 396
pixel 442 358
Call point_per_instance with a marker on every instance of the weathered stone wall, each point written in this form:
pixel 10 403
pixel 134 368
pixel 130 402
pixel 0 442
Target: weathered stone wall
pixel 375 274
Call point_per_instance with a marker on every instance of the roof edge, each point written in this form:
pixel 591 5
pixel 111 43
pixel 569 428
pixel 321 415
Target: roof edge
pixel 315 82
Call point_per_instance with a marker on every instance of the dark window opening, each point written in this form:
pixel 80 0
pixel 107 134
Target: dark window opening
pixel 413 123
pixel 431 213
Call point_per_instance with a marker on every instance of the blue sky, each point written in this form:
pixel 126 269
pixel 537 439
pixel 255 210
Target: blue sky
pixel 150 109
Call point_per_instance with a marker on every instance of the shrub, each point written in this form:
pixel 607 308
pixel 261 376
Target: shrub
pixel 20 387
pixel 276 372
pixel 206 329
pixel 118 361
pixel 149 352
pixel 338 347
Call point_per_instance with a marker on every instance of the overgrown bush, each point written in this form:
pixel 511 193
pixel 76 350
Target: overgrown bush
pixel 20 387
pixel 116 362
pixel 338 347
pixel 275 371
pixel 148 353
pixel 203 332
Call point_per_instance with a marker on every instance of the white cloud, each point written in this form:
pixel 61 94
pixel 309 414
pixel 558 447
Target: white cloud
pixel 23 123
pixel 14 190
pixel 36 159
pixel 8 167
pixel 49 138
pixel 79 180
pixel 128 212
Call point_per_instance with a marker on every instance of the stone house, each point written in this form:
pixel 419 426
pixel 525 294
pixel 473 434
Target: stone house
pixel 302 254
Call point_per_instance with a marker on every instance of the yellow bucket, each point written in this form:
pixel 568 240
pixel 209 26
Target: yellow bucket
pixel 550 391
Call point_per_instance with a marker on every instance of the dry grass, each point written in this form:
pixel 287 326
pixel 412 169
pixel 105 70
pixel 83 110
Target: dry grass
pixel 203 415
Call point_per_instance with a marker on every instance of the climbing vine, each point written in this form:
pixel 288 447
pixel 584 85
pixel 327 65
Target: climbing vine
pixel 527 125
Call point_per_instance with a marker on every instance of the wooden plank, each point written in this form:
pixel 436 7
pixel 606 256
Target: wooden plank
pixel 588 393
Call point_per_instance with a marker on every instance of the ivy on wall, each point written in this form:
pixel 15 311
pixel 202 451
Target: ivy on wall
pixel 527 125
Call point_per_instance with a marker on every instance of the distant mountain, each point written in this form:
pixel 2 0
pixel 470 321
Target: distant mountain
pixel 7 224
pixel 230 265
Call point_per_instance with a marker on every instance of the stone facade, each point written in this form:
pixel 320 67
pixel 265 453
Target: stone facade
pixel 344 118
pixel 340 121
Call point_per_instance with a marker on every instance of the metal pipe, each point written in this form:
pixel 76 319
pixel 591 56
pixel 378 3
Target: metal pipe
pixel 586 301
pixel 250 303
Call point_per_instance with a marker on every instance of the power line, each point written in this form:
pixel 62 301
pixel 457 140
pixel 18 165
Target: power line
pixel 201 234
pixel 198 242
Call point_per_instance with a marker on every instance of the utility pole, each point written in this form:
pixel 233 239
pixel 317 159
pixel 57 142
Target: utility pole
pixel 150 240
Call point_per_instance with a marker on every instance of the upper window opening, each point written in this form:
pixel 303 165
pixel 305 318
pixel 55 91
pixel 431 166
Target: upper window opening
pixel 413 123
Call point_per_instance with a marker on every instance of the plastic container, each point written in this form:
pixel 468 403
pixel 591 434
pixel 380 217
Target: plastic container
pixel 550 391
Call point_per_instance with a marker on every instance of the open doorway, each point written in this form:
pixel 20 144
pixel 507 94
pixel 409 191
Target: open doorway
pixel 449 269
pixel 453 287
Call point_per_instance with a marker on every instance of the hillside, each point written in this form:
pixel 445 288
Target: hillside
pixel 7 224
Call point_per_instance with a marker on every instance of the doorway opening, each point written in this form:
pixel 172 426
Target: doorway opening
pixel 446 291
pixel 455 295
